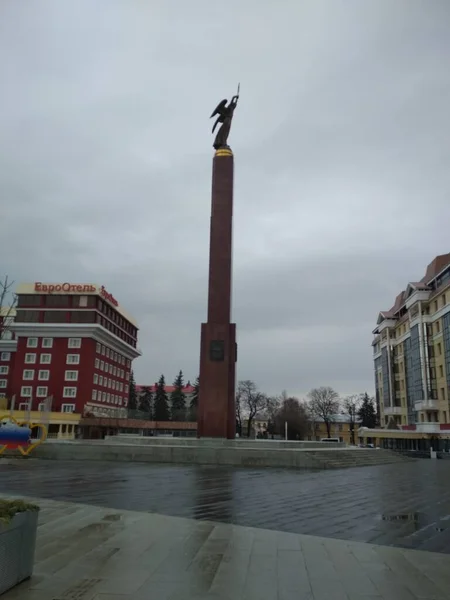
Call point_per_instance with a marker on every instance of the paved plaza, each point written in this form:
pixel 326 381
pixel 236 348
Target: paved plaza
pixel 404 505
pixel 91 553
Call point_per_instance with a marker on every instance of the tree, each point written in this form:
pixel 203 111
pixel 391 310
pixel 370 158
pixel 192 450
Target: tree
pixel 146 401
pixel 178 399
pixel 160 403
pixel 292 412
pixel 351 406
pixel 251 401
pixel 7 308
pixel 367 413
pixel 272 407
pixel 132 396
pixel 324 404
pixel 193 404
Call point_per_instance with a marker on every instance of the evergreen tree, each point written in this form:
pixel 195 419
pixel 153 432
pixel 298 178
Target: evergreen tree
pixel 193 404
pixel 132 396
pixel 178 399
pixel 146 402
pixel 160 403
pixel 367 413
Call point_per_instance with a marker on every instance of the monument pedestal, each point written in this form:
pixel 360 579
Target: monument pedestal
pixel 216 402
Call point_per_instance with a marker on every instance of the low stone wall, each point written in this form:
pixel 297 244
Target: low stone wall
pixel 202 454
pixel 143 440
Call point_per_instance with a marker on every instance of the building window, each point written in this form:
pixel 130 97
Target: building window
pixel 5 356
pixel 115 356
pixel 104 396
pixel 25 391
pixel 102 365
pixel 27 316
pixel 97 363
pixel 32 343
pixel 126 389
pixel 28 374
pixel 3 383
pixel 71 376
pixel 114 371
pixel 24 405
pixel 46 359
pixel 42 406
pixel 441 371
pixel 95 378
pixel 30 359
pixel 44 375
pixel 83 301
pixel 100 380
pixel 55 316
pixel 103 350
pixel 4 369
pixel 98 347
pixel 439 348
pixel 74 343
pixel 94 394
pixel 41 391
pixel 442 393
pixel 73 359
pixel 68 408
pixel 69 392
pixel 47 342
pixel 108 397
pixel 107 352
pixel 113 385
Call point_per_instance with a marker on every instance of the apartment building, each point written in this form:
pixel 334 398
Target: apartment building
pixel 411 352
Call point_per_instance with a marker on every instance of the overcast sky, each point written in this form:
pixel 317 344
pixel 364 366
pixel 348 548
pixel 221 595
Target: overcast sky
pixel 341 143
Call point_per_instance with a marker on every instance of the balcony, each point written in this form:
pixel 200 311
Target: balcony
pixel 428 428
pixel 393 410
pixel 426 405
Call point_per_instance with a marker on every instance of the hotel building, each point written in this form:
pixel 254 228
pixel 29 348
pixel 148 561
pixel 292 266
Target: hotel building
pixel 71 342
pixel 411 351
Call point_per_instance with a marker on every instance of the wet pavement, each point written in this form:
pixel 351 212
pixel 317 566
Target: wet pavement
pixel 405 505
pixel 89 553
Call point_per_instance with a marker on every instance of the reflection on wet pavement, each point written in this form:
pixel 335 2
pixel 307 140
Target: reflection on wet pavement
pixel 406 504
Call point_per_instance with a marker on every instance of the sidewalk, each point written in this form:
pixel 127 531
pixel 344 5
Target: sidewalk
pixel 90 553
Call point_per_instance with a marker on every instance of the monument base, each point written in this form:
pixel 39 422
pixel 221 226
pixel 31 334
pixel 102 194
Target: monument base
pixel 216 404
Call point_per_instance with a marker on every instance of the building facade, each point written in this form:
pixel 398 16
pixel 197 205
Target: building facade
pixel 73 343
pixel 411 351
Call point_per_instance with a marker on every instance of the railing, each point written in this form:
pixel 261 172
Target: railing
pixel 428 427
pixel 426 405
pixel 393 410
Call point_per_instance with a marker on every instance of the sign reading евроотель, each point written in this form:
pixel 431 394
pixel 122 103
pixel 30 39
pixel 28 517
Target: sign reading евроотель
pixel 73 288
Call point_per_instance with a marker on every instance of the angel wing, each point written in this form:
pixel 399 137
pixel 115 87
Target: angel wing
pixel 219 108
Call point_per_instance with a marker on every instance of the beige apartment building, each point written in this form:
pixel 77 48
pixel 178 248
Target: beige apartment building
pixel 411 351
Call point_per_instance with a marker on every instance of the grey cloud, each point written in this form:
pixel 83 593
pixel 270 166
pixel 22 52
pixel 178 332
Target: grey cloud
pixel 341 183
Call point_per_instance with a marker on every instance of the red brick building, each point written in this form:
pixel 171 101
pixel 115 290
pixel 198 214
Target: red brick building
pixel 73 342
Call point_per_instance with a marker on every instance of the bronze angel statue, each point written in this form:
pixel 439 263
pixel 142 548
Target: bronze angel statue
pixel 225 117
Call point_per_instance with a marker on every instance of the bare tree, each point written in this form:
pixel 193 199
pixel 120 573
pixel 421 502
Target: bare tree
pixel 292 412
pixel 251 401
pixel 324 404
pixel 7 309
pixel 351 406
pixel 272 407
pixel 238 408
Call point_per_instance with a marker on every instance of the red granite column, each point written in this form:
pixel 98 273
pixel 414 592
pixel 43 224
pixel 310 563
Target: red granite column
pixel 216 412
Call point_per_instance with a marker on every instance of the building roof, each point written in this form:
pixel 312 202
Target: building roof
pixel 187 389
pixel 83 289
pixel 436 266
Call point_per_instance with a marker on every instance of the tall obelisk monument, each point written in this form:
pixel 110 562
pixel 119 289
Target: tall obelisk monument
pixel 218 350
